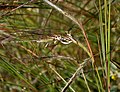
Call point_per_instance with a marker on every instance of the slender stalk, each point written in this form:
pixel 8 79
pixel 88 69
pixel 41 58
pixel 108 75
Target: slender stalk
pixel 108 49
pixel 102 39
pixel 105 15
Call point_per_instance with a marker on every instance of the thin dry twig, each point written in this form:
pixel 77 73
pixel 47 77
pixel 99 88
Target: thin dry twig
pixel 74 76
pixel 71 79
pixel 62 78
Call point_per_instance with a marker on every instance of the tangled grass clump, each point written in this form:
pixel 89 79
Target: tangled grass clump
pixel 59 45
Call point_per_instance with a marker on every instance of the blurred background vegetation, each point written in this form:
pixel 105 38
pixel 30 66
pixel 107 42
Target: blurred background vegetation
pixel 33 60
